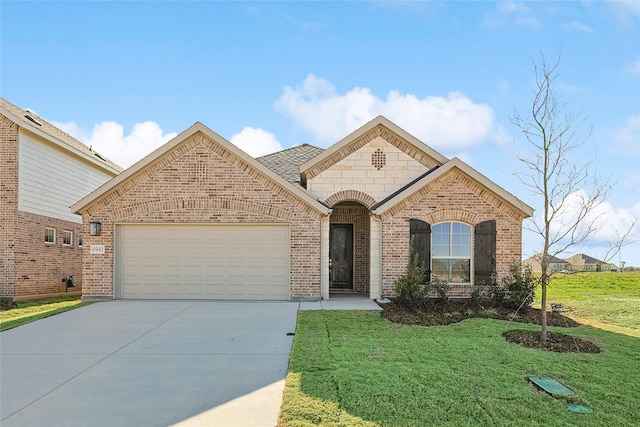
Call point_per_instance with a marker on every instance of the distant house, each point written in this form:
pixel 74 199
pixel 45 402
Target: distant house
pixel 555 264
pixel 582 262
pixel 43 171
pixel 200 219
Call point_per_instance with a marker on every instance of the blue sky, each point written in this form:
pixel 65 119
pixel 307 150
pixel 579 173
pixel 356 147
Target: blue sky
pixel 125 77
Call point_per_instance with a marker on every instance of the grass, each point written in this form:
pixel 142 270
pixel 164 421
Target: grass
pixel 358 369
pixel 30 311
pixel 609 301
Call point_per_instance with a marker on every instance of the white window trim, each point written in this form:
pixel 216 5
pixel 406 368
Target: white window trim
pixel 64 234
pixel 471 255
pixel 45 236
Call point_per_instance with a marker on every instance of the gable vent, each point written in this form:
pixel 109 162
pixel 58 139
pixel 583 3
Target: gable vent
pixel 32 119
pixel 378 159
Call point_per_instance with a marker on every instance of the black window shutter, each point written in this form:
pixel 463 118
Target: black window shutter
pixel 421 243
pixel 485 251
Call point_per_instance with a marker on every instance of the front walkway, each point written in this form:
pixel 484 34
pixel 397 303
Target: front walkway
pixel 342 302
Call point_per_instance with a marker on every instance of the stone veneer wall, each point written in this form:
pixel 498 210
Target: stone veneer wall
pixel 452 197
pixel 199 181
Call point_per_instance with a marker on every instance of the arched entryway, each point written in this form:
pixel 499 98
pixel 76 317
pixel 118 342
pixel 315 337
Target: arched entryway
pixel 349 249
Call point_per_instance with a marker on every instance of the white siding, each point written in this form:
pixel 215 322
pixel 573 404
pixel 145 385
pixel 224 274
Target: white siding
pixel 51 179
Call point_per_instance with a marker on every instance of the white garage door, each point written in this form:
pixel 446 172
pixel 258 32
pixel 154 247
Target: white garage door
pixel 241 262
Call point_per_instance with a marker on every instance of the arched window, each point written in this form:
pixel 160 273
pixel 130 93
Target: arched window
pixel 451 248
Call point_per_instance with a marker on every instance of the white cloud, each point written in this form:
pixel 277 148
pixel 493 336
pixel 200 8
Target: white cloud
pixel 507 12
pixel 256 142
pixel 451 123
pixel 625 140
pixel 108 139
pixel 625 9
pixel 634 68
pixel 612 223
pixel 579 26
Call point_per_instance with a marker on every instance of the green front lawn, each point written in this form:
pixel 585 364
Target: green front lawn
pixel 30 311
pixel 606 300
pixel 357 369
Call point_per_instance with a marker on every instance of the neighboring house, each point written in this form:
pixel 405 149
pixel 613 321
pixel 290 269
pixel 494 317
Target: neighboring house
pixel 555 264
pixel 43 171
pixel 200 219
pixel 582 262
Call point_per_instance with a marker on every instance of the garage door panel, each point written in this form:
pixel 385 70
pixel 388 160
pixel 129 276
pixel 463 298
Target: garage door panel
pixel 203 262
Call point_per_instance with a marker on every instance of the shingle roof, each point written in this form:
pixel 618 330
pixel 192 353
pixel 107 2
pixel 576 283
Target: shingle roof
pixel 29 119
pixel 589 259
pixel 286 163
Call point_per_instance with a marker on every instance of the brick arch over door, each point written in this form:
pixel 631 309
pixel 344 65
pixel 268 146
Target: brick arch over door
pixel 352 196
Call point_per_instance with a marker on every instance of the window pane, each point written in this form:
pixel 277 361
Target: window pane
pixel 461 240
pixel 440 269
pixel 460 271
pixel 49 235
pixel 440 239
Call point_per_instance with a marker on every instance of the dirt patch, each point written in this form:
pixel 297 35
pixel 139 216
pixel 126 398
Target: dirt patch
pixel 558 342
pixel 445 313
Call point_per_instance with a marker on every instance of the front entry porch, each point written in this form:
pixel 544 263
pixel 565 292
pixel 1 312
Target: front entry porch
pixel 348 251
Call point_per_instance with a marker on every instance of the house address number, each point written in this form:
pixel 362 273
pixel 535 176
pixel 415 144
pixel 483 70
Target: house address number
pixel 97 249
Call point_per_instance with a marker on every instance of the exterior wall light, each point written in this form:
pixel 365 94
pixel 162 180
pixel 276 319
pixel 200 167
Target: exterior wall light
pixel 95 227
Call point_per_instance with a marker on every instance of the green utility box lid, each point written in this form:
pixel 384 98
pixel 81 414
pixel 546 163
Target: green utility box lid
pixel 578 409
pixel 551 386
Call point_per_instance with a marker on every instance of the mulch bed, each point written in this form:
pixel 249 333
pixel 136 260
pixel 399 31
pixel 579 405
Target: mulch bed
pixel 436 313
pixel 561 343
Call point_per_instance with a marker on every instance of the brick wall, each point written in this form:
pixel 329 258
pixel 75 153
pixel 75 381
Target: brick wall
pixel 8 205
pixel 30 268
pixel 40 266
pixel 452 197
pixel 199 181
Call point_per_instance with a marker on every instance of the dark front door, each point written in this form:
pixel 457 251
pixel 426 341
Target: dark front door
pixel 341 256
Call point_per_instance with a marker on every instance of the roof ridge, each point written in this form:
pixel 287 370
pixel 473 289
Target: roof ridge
pixel 35 120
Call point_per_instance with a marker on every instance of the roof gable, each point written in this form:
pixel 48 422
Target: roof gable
pixel 234 154
pixel 435 173
pixel 39 126
pixel 378 127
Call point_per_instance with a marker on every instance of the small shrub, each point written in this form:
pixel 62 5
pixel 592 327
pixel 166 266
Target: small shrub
pixel 442 289
pixel 410 288
pixel 517 289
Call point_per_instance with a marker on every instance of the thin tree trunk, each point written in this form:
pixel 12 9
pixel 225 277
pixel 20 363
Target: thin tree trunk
pixel 543 313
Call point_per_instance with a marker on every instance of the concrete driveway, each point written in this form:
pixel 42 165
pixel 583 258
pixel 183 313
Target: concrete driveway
pixel 144 363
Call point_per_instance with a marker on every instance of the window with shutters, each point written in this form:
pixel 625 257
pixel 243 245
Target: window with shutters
pixel 451 247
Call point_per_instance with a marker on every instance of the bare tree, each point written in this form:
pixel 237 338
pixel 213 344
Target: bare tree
pixel 622 240
pixel 567 190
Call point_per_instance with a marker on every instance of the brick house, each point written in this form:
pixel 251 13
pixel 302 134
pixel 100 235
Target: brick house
pixel 582 262
pixel 199 218
pixel 555 264
pixel 43 171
